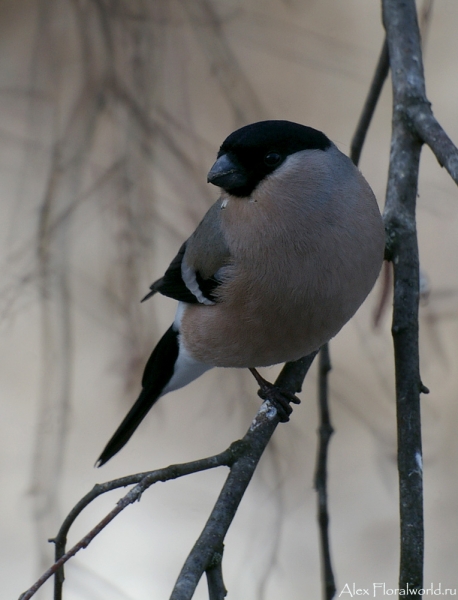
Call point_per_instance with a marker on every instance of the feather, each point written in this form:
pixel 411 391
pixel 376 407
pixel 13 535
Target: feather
pixel 158 373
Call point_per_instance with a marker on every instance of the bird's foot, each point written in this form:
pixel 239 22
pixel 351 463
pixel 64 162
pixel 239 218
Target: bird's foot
pixel 280 398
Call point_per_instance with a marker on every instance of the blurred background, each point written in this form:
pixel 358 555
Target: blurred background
pixel 111 113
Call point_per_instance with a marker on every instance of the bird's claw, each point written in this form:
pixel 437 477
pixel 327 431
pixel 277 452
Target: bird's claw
pixel 280 398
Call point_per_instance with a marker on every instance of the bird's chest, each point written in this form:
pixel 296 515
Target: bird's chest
pixel 261 232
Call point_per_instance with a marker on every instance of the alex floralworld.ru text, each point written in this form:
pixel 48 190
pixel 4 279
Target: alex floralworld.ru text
pixel 350 590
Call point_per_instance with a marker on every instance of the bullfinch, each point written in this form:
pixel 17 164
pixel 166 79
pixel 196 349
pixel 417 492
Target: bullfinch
pixel 279 263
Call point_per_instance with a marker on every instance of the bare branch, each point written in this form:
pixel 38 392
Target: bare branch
pixel 325 432
pixel 143 481
pixel 432 134
pixel 256 440
pixel 380 75
pixel 400 20
pixel 242 456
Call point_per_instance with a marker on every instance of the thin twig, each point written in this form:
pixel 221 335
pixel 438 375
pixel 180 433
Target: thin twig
pixel 242 456
pixel 143 481
pixel 380 75
pixel 432 134
pixel 325 432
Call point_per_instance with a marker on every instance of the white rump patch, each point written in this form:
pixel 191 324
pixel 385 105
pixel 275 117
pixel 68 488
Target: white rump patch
pixel 186 367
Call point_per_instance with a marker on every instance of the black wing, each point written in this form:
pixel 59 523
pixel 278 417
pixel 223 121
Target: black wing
pixel 173 286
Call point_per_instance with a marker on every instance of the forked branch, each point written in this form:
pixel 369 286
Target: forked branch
pixel 242 457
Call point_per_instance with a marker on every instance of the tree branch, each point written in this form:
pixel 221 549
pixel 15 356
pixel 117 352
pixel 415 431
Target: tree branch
pixel 242 457
pixel 325 432
pixel 409 94
pixel 432 134
pixel 291 378
pixel 380 75
pixel 400 21
pixel 143 481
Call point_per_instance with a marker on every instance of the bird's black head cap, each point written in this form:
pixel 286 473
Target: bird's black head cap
pixel 254 151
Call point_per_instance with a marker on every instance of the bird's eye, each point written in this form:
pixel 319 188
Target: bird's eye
pixel 272 159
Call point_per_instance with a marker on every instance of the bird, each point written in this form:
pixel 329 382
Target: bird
pixel 277 266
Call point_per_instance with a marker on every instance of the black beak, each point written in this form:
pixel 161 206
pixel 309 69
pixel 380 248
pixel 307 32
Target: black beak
pixel 226 174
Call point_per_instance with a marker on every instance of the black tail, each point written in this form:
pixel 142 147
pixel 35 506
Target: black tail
pixel 158 372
